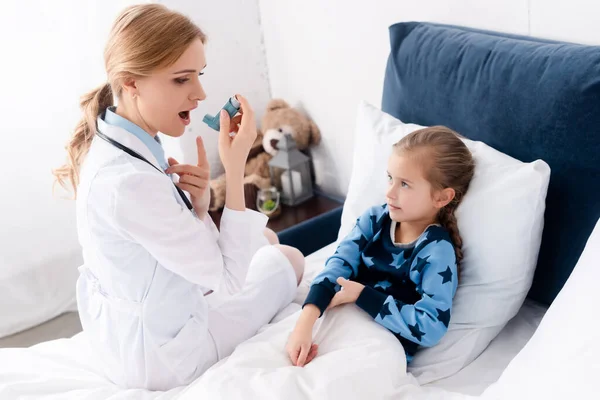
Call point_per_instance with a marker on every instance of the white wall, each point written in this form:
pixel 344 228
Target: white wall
pixel 51 55
pixel 325 56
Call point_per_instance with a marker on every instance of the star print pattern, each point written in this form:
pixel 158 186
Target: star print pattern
pixel 402 284
pixel 446 275
pixel 398 260
pixel 415 332
pixel 326 282
pixel 361 242
pixel 443 316
pixel 369 261
pixel 385 310
pixel 376 222
pixel 383 284
pixel 421 264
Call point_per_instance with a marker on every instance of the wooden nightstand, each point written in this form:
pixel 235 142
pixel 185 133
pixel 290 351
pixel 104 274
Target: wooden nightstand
pixel 291 216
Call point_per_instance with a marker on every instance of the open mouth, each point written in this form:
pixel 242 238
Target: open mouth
pixel 185 117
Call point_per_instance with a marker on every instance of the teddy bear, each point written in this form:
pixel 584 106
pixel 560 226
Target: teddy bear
pixel 279 119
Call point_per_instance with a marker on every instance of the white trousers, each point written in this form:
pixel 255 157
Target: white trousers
pixel 270 286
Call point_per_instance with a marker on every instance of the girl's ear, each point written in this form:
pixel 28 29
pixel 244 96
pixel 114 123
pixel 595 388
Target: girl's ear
pixel 444 197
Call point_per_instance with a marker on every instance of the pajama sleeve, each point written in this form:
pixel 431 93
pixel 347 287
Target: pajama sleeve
pixel 344 263
pixel 426 321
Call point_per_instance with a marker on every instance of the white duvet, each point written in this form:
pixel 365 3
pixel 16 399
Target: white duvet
pixel 357 359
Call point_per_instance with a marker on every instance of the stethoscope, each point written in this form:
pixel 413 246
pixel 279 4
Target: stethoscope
pixel 140 157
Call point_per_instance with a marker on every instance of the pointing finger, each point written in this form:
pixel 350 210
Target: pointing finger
pixel 202 160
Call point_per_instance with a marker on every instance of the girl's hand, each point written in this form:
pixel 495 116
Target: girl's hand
pixel 234 150
pixel 194 179
pixel 300 348
pixel 348 294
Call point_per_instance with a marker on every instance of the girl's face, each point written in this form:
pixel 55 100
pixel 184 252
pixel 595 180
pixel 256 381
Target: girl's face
pixel 163 100
pixel 410 197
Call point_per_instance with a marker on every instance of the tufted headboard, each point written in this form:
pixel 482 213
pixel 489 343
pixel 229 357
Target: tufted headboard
pixel 527 97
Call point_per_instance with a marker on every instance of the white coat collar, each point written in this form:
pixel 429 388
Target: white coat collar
pixel 127 139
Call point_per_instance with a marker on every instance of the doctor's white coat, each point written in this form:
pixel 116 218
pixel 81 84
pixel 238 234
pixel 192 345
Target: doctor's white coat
pixel 147 263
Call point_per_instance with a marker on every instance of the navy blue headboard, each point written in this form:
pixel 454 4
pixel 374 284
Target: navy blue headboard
pixel 527 97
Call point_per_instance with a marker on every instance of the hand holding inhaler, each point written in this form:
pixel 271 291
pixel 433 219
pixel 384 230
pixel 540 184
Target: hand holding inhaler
pixel 237 134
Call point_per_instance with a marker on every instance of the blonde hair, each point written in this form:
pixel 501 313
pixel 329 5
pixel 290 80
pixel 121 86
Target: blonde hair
pixel 143 38
pixel 448 164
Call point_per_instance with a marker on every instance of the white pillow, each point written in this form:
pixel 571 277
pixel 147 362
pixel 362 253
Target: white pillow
pixel 562 359
pixel 500 220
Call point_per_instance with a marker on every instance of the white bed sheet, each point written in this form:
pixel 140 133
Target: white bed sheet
pixel 62 369
pixel 65 369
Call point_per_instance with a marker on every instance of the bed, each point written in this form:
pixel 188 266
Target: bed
pixel 65 368
pixel 528 98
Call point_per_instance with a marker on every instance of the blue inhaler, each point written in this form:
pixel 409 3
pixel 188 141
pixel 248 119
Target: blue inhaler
pixel 232 107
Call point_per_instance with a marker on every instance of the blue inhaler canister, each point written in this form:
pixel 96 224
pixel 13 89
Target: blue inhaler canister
pixel 232 107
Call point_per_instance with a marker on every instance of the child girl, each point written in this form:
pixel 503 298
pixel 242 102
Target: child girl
pixel 151 254
pixel 400 262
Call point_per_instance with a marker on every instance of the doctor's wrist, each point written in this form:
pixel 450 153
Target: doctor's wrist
pixel 234 197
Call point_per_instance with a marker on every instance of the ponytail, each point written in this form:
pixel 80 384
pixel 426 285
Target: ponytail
pixel 92 104
pixel 448 220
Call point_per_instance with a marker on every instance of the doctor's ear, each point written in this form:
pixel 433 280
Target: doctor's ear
pixel 130 86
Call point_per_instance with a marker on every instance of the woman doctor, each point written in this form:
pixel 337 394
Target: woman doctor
pixel 150 263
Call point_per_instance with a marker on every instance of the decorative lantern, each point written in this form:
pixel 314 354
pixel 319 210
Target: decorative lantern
pixel 290 172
